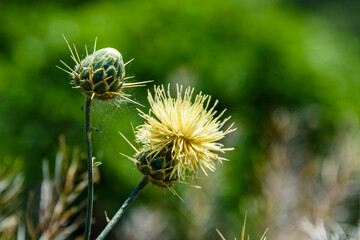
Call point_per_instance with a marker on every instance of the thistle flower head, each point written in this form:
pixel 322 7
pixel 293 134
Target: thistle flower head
pixel 100 75
pixel 187 132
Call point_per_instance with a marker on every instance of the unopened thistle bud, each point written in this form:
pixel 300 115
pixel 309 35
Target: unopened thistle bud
pixel 100 75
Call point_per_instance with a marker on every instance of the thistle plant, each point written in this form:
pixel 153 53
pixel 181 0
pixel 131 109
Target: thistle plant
pixel 186 134
pixel 100 76
pixel 178 137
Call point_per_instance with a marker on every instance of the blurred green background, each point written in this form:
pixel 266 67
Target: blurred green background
pixel 286 71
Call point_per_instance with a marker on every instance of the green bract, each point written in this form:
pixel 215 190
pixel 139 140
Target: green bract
pixel 101 74
pixel 158 169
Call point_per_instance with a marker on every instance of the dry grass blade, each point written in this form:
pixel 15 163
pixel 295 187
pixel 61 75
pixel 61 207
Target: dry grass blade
pixel 11 184
pixel 304 184
pixel 60 198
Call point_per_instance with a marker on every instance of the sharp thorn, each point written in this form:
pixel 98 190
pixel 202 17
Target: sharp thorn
pixel 129 61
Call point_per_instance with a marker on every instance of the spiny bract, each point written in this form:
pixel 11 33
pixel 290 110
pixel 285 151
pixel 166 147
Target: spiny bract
pixel 101 73
pixel 157 168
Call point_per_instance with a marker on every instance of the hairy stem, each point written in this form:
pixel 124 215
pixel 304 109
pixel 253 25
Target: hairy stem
pixel 123 208
pixel 89 208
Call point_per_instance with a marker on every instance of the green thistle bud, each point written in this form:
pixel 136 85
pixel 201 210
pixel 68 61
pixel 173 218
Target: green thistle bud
pixel 158 169
pixel 101 73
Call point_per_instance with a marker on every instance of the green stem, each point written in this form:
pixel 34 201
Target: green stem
pixel 90 197
pixel 123 208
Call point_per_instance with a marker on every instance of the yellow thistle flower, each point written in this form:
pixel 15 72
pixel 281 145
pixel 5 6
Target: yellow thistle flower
pixel 190 131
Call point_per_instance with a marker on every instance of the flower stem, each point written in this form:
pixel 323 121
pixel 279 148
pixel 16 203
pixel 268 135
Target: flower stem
pixel 123 208
pixel 90 197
